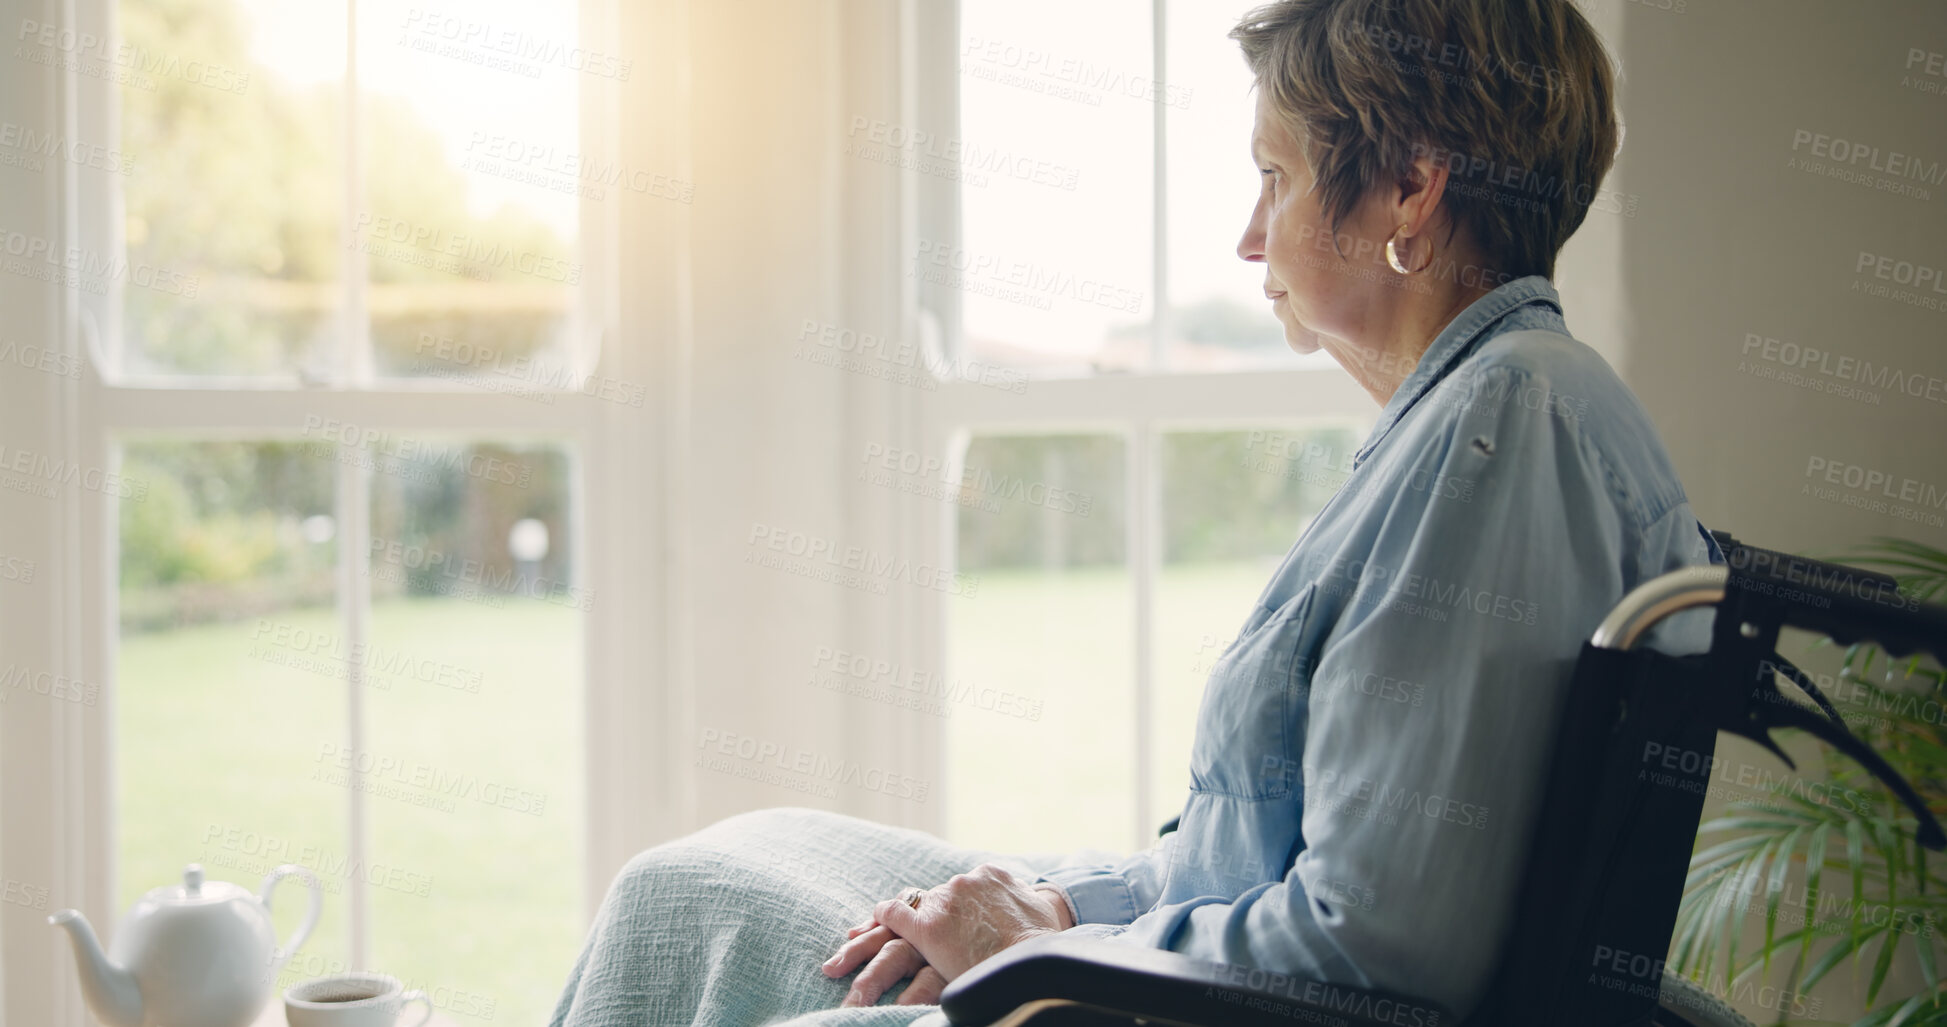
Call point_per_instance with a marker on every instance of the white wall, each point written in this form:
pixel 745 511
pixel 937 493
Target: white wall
pixel 787 229
pixel 1730 241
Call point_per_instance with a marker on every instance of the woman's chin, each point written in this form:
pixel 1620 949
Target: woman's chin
pixel 1303 341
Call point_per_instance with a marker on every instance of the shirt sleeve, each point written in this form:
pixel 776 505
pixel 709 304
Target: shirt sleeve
pixel 1114 893
pixel 1432 704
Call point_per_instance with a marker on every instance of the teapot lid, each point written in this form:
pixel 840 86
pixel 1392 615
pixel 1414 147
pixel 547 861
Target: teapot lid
pixel 196 891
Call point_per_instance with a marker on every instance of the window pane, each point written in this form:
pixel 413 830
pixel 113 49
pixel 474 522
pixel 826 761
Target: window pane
pixel 1219 318
pixel 474 735
pixel 1234 502
pixel 1055 161
pixel 1047 764
pixel 231 669
pixel 474 172
pixel 230 115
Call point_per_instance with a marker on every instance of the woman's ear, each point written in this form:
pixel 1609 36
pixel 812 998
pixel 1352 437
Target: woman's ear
pixel 1421 188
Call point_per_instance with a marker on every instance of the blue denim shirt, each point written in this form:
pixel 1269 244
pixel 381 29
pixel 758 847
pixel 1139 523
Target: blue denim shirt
pixel 1369 752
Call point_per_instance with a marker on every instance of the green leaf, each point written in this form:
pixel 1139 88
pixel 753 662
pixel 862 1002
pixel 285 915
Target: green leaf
pixel 1710 876
pixel 1906 1011
pixel 1772 823
pixel 1928 972
pixel 1735 845
pixel 1687 923
pixel 1774 887
pixel 1888 838
pixel 1733 934
pixel 1889 944
pixel 1841 948
pixel 1856 854
pixel 1783 942
pixel 1680 942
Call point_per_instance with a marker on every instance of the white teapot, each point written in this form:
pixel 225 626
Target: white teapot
pixel 200 952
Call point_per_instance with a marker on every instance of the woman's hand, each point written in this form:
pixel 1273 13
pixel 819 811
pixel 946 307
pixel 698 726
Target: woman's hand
pixel 971 917
pixel 959 923
pixel 892 959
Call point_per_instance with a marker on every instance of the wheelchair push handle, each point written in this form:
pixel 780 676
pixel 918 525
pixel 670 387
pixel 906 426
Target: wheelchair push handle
pixel 1850 604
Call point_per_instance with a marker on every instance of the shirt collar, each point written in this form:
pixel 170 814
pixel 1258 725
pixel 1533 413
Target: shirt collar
pixel 1461 337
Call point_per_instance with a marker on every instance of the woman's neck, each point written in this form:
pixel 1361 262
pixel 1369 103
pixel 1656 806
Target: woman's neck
pixel 1398 334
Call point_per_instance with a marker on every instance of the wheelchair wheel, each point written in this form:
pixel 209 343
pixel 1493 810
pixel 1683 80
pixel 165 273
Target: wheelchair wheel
pixel 1684 1004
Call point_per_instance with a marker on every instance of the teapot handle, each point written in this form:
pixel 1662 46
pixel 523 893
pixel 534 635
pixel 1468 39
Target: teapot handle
pixel 286 951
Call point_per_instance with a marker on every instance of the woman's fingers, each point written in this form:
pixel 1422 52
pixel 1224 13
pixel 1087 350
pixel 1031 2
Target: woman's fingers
pixel 896 961
pixel 925 989
pixel 969 918
pixel 857 951
pixel 861 928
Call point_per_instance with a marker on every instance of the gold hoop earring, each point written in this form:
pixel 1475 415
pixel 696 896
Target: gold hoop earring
pixel 1392 255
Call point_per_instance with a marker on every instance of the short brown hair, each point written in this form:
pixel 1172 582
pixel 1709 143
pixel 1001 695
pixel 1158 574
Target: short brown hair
pixel 1515 97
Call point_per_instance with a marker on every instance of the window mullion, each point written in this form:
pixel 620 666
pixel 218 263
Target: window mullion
pixel 355 356
pixel 355 615
pixel 205 409
pixel 1142 448
pixel 1159 212
pixel 1140 550
pixel 354 493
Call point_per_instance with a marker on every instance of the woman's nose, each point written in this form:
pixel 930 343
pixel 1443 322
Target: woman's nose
pixel 1251 246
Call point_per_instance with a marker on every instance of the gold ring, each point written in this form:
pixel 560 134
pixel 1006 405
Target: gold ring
pixel 912 897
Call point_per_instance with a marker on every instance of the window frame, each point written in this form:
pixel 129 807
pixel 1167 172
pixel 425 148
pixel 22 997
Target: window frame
pixel 630 796
pixel 1139 407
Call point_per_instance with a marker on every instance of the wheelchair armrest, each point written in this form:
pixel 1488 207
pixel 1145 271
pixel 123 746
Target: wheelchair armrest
pixel 1166 986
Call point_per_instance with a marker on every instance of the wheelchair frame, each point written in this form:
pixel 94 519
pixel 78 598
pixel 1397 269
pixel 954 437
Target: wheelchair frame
pixel 1607 861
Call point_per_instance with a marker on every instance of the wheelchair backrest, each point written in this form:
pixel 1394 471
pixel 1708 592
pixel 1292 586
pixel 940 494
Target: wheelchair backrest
pixel 1611 847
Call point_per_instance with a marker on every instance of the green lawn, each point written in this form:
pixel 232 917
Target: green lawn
pixel 1063 637
pixel 221 750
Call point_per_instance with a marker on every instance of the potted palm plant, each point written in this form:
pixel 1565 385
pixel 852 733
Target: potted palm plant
pixel 1837 884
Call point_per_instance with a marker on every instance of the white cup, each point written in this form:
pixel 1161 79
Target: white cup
pixel 350 1000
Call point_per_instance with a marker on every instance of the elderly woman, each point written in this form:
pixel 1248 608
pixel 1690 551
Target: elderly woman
pixel 1369 751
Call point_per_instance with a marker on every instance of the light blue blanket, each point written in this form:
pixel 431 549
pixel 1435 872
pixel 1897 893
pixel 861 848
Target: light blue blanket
pixel 727 927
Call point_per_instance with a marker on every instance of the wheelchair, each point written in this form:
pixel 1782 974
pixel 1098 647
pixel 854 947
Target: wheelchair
pixel 1606 867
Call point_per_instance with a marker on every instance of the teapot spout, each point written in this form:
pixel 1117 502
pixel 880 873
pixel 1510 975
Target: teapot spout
pixel 110 989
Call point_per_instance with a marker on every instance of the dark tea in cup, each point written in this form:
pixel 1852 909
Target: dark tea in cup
pixel 350 1000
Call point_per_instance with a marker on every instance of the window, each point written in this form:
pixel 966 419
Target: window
pixel 344 319
pixel 1132 445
